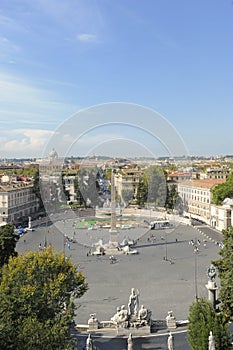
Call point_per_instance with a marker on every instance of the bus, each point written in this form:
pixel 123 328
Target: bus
pixel 160 224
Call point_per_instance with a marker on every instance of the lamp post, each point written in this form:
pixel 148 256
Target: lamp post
pixel 165 246
pixel 195 269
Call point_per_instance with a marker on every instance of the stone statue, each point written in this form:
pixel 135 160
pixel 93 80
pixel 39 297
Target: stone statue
pixel 121 317
pixel 211 341
pixel 116 317
pixel 170 342
pixel 130 342
pixel 144 315
pixel 211 272
pixel 133 303
pixel 171 320
pixel 89 343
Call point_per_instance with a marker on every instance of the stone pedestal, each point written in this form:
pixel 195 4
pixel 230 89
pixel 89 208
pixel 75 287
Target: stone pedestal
pixel 137 332
pixel 171 320
pixel 93 323
pixel 212 289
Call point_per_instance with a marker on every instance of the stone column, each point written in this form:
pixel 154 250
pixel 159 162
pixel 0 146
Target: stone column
pixel 113 243
pixel 212 289
pixel 29 222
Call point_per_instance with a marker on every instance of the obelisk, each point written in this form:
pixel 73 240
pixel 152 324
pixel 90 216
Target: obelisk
pixel 113 243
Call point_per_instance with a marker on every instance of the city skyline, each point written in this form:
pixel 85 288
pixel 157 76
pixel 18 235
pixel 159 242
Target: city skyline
pixel 59 58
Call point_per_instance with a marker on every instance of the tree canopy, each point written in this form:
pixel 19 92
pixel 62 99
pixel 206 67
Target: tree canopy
pixel 225 273
pixel 222 191
pixel 203 319
pixel 8 240
pixel 157 188
pixel 36 292
pixel 142 191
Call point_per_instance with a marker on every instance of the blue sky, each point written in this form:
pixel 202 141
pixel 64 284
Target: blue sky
pixel 59 57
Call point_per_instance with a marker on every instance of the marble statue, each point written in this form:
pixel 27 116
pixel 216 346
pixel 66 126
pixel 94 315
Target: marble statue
pixel 130 342
pixel 121 317
pixel 89 343
pixel 133 304
pixel 144 315
pixel 116 317
pixel 132 317
pixel 211 341
pixel 211 272
pixel 170 342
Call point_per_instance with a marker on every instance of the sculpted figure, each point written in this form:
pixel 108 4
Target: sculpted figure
pixel 123 317
pixel 142 314
pixel 130 342
pixel 89 343
pixel 116 317
pixel 170 342
pixel 211 341
pixel 133 303
pixel 211 273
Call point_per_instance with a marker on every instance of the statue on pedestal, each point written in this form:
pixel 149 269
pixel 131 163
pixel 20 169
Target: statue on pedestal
pixel 144 316
pixel 130 342
pixel 211 272
pixel 121 317
pixel 170 342
pixel 170 320
pixel 89 343
pixel 211 341
pixel 133 316
pixel 133 304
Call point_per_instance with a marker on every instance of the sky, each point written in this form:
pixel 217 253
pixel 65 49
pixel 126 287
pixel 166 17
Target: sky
pixel 60 59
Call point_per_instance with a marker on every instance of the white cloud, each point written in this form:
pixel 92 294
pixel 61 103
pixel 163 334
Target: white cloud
pixel 85 37
pixel 21 100
pixel 8 50
pixel 24 142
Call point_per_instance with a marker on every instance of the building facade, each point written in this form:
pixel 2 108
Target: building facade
pixel 17 202
pixel 196 196
pixel 127 180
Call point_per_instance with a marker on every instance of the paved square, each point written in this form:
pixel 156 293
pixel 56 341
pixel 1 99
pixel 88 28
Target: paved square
pixel 163 286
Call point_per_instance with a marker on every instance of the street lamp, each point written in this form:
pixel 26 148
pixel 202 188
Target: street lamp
pixel 195 269
pixel 165 258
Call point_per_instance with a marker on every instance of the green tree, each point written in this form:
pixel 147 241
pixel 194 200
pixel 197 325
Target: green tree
pixel 157 188
pixel 172 196
pixel 88 185
pixel 222 191
pixel 203 319
pixel 8 240
pixel 36 188
pixel 127 195
pixel 78 192
pixel 225 273
pixel 36 293
pixel 142 191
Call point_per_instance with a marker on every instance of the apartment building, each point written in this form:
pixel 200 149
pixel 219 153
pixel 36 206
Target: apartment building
pixel 222 215
pixel 196 196
pixel 17 201
pixel 127 179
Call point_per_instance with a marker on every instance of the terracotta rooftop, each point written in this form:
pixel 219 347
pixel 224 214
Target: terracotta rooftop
pixel 206 183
